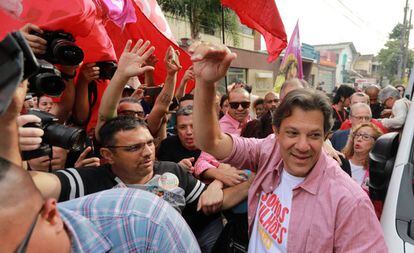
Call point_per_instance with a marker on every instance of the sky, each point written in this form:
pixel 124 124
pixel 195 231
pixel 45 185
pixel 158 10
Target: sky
pixel 366 23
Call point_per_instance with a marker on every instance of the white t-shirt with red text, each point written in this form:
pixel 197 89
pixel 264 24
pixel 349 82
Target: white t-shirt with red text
pixel 271 225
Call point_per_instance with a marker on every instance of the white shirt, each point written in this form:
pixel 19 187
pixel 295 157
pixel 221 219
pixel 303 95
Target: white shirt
pixel 271 225
pixel 358 173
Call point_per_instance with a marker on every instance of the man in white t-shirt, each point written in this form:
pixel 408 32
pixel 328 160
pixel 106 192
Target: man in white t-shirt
pixel 300 200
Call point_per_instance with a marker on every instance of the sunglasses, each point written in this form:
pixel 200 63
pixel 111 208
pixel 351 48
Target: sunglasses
pixel 235 105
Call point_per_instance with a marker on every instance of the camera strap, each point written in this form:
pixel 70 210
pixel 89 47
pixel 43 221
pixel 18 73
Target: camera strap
pixel 50 158
pixel 92 97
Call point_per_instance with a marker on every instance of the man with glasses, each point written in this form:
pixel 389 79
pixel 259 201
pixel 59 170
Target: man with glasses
pixel 119 220
pixel 358 113
pixel 129 148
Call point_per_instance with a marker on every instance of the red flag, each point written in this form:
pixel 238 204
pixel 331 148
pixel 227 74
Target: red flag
pixel 153 27
pixel 73 16
pixel 263 16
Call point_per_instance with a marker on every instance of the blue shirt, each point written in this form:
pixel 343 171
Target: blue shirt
pixel 125 220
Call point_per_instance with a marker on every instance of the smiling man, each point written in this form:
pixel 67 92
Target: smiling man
pixel 300 200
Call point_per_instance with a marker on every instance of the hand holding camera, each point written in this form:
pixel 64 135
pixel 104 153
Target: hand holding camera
pixel 30 138
pixel 88 72
pixel 37 43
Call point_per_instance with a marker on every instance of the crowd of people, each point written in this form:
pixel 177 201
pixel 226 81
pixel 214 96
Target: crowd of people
pixel 284 173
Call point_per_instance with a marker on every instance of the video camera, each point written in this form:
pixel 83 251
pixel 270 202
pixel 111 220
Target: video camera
pixel 55 134
pixel 60 48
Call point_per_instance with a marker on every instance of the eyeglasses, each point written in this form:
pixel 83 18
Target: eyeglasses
pixel 139 114
pixel 365 137
pixel 365 118
pixel 139 147
pixel 23 245
pixel 235 105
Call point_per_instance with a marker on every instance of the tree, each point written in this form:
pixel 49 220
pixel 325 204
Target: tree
pixel 201 13
pixel 389 56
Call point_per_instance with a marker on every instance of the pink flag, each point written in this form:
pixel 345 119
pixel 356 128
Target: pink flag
pixel 291 66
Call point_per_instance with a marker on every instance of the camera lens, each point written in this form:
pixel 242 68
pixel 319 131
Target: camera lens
pixel 66 137
pixel 50 84
pixel 67 53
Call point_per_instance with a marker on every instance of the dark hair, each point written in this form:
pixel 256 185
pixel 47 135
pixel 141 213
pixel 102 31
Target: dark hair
pixel 185 111
pixel 130 100
pixel 344 91
pixel 115 125
pixel 186 97
pixel 223 99
pixel 307 100
pixel 257 102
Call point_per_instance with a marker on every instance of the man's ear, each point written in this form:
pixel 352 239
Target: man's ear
pixel 107 154
pixel 275 130
pixel 51 215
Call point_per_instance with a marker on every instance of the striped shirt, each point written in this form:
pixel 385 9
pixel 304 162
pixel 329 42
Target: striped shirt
pixel 169 181
pixel 125 220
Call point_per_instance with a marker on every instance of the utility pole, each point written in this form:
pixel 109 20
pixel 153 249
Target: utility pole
pixel 402 43
pixel 407 40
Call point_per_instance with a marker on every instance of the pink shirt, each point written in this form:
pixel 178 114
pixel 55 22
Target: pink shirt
pixel 206 161
pixel 330 212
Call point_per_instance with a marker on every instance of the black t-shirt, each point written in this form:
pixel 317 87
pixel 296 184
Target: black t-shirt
pixel 169 176
pixel 172 150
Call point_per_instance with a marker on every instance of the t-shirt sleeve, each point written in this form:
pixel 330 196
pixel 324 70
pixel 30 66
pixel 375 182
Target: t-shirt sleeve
pixel 163 151
pixel 192 187
pixel 77 183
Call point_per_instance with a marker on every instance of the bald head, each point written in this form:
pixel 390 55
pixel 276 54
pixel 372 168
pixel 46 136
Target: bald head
pixel 239 91
pixel 271 101
pixel 290 85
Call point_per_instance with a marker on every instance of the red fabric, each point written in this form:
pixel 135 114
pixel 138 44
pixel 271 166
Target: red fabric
pixel 73 16
pixel 347 125
pixel 263 16
pixel 145 29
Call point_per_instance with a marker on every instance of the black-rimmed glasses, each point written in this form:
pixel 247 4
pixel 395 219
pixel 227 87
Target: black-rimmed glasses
pixel 135 147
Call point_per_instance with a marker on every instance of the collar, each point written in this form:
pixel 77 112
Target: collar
pixel 231 121
pixel 314 179
pixel 85 236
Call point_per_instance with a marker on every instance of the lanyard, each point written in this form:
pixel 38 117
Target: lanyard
pixel 339 115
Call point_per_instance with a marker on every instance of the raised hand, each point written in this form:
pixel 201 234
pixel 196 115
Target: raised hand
pixel 210 61
pixel 172 61
pixel 131 61
pixel 189 74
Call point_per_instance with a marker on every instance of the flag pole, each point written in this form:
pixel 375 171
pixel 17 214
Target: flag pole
pixel 223 40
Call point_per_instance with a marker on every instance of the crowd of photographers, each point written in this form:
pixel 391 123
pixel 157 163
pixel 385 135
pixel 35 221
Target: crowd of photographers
pixel 83 128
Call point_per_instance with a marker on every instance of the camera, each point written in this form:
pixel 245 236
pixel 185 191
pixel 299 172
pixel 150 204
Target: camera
pixel 60 48
pixel 55 134
pixel 106 69
pixel 47 80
